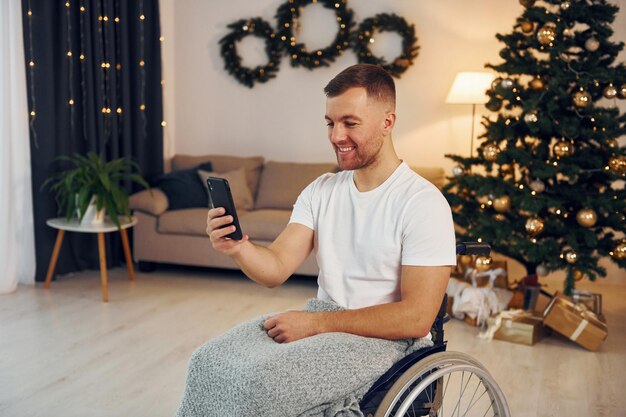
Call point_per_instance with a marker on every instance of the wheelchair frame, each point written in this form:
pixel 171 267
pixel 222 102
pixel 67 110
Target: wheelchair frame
pixel 424 369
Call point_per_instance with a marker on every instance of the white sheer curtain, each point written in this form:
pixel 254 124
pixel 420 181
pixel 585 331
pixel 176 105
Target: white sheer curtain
pixel 17 236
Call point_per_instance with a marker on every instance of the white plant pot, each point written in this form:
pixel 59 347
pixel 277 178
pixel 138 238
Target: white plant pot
pixel 92 214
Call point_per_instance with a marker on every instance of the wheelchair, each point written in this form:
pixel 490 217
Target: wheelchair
pixel 432 382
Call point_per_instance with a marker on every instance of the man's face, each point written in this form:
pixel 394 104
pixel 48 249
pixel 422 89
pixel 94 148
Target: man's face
pixel 356 128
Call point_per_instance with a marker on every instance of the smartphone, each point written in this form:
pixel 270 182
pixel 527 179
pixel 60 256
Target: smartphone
pixel 221 196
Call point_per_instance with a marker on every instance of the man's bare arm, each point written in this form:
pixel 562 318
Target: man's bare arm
pixel 269 266
pixel 423 288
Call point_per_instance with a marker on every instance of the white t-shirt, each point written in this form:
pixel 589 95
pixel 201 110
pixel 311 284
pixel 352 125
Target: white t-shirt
pixel 362 239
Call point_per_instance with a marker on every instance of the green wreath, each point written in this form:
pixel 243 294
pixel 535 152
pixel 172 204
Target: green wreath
pixel 232 61
pixel 385 22
pixel 289 12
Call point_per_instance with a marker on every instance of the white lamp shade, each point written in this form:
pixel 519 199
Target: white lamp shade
pixel 470 88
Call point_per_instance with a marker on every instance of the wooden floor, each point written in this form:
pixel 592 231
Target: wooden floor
pixel 63 352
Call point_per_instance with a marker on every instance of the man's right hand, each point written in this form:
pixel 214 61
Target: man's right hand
pixel 217 227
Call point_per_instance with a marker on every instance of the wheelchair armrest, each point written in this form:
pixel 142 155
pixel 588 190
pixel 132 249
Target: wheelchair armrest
pixel 473 248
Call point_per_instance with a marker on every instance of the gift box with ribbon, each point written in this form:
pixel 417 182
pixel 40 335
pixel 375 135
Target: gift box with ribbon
pixel 592 300
pixel 496 276
pixel 576 322
pixel 516 326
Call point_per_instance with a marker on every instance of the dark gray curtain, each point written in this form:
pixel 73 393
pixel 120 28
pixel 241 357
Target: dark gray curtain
pixel 94 84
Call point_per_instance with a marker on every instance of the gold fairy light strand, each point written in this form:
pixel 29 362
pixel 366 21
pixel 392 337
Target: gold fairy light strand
pixel 142 68
pixel 118 67
pixel 31 70
pixel 83 68
pixel 106 85
pixel 70 65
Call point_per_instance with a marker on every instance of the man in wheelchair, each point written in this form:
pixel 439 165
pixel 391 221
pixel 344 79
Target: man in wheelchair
pixel 384 242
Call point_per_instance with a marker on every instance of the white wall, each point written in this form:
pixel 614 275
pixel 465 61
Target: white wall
pixel 208 111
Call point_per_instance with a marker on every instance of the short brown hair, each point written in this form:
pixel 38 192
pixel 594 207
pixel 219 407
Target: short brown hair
pixel 373 78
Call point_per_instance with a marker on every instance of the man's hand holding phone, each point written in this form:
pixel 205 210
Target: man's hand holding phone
pixel 219 226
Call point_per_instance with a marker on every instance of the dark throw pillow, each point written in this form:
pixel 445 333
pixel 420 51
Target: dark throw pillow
pixel 183 187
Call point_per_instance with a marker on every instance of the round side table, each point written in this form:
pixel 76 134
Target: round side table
pixel 62 225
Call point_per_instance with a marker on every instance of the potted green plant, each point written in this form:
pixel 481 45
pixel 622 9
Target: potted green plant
pixel 91 185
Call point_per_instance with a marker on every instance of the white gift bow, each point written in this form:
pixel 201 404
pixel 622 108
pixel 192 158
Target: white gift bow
pixel 492 274
pixel 488 333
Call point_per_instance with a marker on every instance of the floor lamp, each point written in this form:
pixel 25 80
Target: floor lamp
pixel 470 88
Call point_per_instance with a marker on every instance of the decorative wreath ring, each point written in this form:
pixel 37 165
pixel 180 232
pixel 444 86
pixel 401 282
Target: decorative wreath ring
pixel 232 61
pixel 289 13
pixel 385 22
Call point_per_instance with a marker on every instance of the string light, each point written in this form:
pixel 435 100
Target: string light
pixel 83 67
pixel 106 55
pixel 142 68
pixel 31 72
pixel 70 65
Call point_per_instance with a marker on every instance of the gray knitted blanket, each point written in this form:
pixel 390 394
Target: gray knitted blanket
pixel 245 373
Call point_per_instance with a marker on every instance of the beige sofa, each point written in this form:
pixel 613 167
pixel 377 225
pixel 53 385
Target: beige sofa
pixel 179 236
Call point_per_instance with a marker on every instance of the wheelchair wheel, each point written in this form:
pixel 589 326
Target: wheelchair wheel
pixel 444 384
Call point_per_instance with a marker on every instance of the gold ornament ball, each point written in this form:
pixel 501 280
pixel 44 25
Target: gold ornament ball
pixel 502 204
pixel 609 91
pixel 565 5
pixel 531 117
pixel 537 186
pixel 547 34
pixel 466 260
pixel 592 44
pixel 536 84
pixel 490 152
pixel 527 3
pixel 586 217
pixel 617 164
pixel 534 226
pixel 527 26
pixel 563 148
pixel 619 252
pixel 483 199
pixel 612 144
pixel 622 91
pixel 482 263
pixel 578 275
pixel 582 98
pixel 571 257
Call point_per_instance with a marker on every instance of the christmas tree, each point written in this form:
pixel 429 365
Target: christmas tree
pixel 546 187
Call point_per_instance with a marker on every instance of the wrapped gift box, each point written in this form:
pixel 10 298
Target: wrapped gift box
pixel 524 327
pixel 592 300
pixel 499 270
pixel 482 279
pixel 576 322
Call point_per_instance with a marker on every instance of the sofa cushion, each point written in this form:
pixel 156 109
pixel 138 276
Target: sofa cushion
pixel 264 224
pixel 282 182
pixel 225 163
pixel 190 221
pixel 183 187
pixel 152 201
pixel 237 183
pixel 258 225
pixel 434 175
